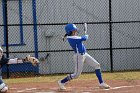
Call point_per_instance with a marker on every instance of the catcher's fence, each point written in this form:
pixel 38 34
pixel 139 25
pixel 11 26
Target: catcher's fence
pixel 36 27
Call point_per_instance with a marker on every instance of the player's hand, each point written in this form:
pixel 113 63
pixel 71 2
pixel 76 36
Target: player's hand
pixel 33 60
pixel 86 35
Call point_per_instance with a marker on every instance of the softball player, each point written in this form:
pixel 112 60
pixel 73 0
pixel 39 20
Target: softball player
pixel 80 56
pixel 4 60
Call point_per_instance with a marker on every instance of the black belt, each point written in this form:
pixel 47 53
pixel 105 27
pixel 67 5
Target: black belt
pixel 82 53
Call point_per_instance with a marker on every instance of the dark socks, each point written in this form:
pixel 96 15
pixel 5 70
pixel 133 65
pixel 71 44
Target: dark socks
pixel 99 75
pixel 65 80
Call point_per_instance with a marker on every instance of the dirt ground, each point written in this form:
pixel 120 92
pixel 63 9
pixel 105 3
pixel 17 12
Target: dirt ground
pixel 91 86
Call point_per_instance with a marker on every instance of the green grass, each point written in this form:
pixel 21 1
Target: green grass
pixel 85 76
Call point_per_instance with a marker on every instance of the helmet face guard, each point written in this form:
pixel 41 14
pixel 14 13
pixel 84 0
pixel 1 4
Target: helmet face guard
pixel 69 28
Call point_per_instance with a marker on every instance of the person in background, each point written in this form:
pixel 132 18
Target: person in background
pixel 4 61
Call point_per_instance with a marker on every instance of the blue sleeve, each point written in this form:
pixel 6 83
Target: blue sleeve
pixel 84 37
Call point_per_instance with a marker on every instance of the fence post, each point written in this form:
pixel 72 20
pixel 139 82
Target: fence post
pixel 5 21
pixel 35 30
pixel 110 30
pixel 21 22
pixel 35 27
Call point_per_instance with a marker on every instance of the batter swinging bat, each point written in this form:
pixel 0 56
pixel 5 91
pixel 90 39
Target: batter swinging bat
pixel 85 28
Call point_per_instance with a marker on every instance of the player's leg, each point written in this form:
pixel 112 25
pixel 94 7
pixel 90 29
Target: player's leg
pixel 13 61
pixel 78 61
pixel 92 62
pixel 5 60
pixel 3 86
pixel 33 60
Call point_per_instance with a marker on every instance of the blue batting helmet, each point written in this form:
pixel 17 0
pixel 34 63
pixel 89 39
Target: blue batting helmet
pixel 69 28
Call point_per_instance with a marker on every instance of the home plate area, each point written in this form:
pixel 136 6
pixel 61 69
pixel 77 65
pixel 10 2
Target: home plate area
pixel 76 87
pixel 119 89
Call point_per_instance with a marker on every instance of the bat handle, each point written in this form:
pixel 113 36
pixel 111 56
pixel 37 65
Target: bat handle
pixel 85 28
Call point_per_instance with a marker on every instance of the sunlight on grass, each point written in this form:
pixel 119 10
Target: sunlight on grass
pixel 84 76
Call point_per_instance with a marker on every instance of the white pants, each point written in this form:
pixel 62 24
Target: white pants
pixel 79 61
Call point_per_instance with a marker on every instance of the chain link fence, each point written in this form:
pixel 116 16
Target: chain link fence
pixel 36 27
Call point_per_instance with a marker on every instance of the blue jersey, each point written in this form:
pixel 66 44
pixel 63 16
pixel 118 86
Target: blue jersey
pixel 76 43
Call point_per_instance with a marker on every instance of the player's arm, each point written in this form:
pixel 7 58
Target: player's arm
pixel 78 38
pixel 84 37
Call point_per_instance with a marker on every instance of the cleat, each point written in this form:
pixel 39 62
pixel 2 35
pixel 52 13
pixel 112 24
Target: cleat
pixel 61 85
pixel 104 86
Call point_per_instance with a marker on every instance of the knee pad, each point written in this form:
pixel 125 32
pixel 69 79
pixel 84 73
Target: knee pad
pixel 69 77
pixel 97 66
pixel 3 88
